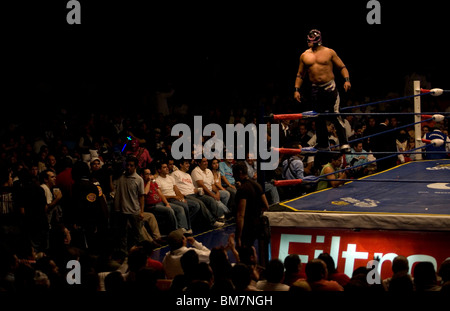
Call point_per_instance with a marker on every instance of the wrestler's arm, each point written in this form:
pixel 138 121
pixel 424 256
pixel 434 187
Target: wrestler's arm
pixel 299 79
pixel 338 63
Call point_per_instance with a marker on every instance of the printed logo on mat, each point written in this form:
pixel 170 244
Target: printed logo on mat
pixel 358 203
pixel 439 186
pixel 439 167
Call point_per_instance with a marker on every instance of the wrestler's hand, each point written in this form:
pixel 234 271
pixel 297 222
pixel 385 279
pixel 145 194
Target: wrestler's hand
pixel 347 86
pixel 297 96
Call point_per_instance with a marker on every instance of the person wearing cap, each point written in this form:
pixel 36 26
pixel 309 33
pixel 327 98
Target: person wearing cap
pixel 317 63
pixel 178 246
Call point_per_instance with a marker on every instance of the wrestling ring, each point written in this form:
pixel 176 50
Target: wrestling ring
pixel 404 210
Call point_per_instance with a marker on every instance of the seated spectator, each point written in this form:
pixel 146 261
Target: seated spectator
pixel 225 195
pixel 333 274
pixel 303 137
pixel 203 177
pixel 401 283
pixel 292 266
pixel 317 277
pixel 156 265
pixel 425 279
pixel 241 276
pixel 400 265
pixel 248 256
pixel 228 181
pixel 353 159
pixel 178 246
pixel 300 286
pixel 293 166
pixel 156 203
pixel 209 210
pixel 330 168
pixel 202 281
pixel 189 262
pixel 173 195
pixel 221 267
pixel 274 276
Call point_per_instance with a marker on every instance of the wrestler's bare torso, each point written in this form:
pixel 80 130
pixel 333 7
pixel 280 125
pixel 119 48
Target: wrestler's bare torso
pixel 318 63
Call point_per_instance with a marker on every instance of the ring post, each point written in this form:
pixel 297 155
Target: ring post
pixel 417 118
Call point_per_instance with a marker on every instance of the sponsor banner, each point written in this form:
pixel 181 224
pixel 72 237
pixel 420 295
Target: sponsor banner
pixel 351 249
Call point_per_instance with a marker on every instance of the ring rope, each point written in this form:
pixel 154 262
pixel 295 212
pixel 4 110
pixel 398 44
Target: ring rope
pixel 424 114
pixel 313 114
pixel 388 131
pixel 314 179
pixel 312 150
pixel 386 100
pixel 433 92
pixel 393 180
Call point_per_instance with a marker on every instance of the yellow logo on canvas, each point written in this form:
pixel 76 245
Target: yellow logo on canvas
pixel 339 203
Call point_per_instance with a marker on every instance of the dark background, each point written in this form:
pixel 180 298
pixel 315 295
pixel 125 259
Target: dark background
pixel 209 51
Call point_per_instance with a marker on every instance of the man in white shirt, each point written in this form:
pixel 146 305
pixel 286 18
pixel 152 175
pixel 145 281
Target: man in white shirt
pixel 166 184
pixel 178 246
pixel 209 209
pixel 203 178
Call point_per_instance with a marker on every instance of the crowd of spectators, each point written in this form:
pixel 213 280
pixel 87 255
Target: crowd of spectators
pixel 40 158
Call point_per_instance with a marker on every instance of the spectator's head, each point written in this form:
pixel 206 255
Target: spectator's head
pixel 176 239
pixel 240 171
pixel 247 255
pixel 274 271
pixel 134 144
pixel 184 164
pixel 400 264
pixel 203 163
pixel 316 270
pixel 292 263
pixel 189 262
pixel 96 164
pixel 424 275
pixel 241 276
pixel 131 165
pixel 48 177
pixel 329 261
pixel 336 160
